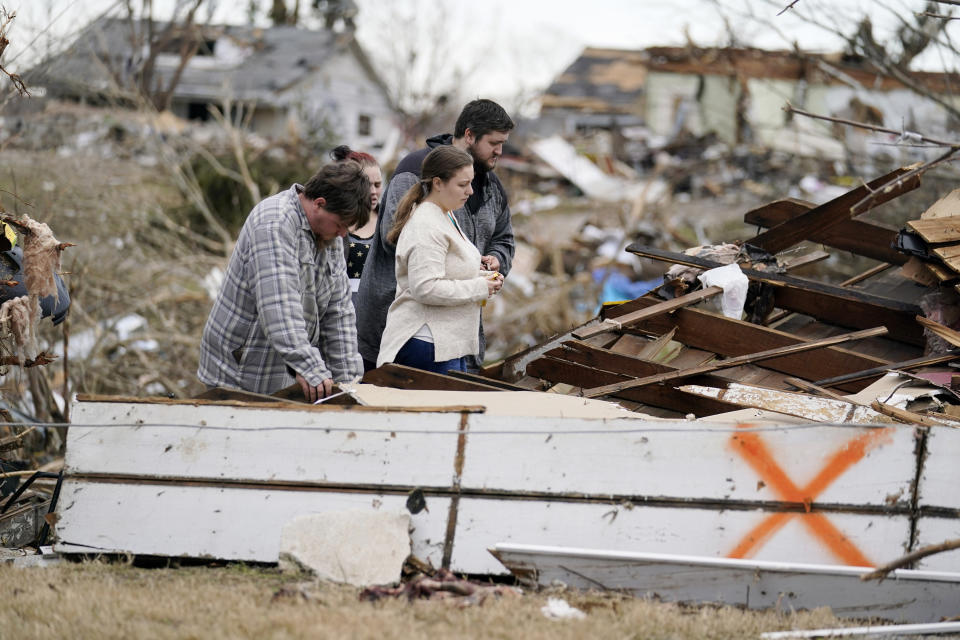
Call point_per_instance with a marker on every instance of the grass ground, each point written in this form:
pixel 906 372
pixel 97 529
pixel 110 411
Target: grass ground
pixel 110 600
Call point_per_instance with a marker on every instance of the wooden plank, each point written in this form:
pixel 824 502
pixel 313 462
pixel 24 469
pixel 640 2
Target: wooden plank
pixel 866 275
pixel 221 393
pixel 734 362
pixel 263 443
pixel 578 374
pixel 937 230
pixel 794 404
pixel 400 377
pixel 791 264
pixel 868 239
pixel 668 531
pixel 950 256
pixel 730 338
pixel 941 274
pixel 664 530
pixel 907 417
pixel 490 382
pixel 909 596
pixel 660 308
pixel 609 366
pixel 937 529
pixel 948 253
pixel 836 305
pixel 644 348
pixel 937 488
pixel 226 523
pixel 914 363
pixel 829 214
pixel 692 461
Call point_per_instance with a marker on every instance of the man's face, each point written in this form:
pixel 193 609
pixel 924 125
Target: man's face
pixel 325 224
pixel 487 149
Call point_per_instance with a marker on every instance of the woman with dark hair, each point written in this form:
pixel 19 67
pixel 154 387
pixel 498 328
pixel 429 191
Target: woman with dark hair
pixel 434 320
pixel 356 245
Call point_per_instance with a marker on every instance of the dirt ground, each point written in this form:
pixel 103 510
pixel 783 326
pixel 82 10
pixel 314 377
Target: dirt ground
pixel 111 600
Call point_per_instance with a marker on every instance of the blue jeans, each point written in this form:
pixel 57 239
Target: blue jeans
pixel 419 354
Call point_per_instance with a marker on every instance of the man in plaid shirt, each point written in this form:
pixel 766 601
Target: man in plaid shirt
pixel 284 312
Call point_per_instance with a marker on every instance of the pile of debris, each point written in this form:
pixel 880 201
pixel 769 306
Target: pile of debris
pixel 661 355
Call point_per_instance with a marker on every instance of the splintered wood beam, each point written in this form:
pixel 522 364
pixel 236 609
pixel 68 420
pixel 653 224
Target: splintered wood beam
pixel 728 337
pixel 734 362
pixel 829 214
pixel 809 387
pixel 908 417
pixel 905 365
pixel 833 304
pixel 867 239
pixel 399 376
pixel 801 405
pixel 562 369
pixel 634 317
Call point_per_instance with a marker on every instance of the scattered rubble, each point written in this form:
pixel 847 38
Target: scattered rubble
pixel 441 585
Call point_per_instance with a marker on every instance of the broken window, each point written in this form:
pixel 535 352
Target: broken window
pixel 364 125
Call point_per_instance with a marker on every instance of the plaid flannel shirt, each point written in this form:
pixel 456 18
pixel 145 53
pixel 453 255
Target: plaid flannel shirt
pixel 284 306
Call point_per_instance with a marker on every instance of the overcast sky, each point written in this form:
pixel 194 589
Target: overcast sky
pixel 522 44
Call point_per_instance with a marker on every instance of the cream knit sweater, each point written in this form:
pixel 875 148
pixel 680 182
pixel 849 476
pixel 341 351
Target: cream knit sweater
pixel 438 284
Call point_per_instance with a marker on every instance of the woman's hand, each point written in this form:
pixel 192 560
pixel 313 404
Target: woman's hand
pixel 494 283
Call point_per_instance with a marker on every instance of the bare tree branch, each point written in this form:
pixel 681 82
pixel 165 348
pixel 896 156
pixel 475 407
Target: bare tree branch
pixel 906 135
pixel 788 7
pixel 14 78
pixel 881 572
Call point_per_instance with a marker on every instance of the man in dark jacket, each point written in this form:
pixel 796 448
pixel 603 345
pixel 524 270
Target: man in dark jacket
pixel 481 129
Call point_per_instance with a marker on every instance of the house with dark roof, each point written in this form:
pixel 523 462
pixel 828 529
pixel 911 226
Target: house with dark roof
pixel 738 94
pixel 286 80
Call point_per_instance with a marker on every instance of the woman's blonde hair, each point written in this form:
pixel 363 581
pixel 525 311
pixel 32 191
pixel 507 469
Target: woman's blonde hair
pixel 443 162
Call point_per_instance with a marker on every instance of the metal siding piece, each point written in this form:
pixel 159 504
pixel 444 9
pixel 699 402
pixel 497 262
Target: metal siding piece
pixel 708 532
pixel 906 596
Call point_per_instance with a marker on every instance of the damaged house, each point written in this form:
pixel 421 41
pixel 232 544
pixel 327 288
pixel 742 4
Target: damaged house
pixel 659 93
pixel 285 80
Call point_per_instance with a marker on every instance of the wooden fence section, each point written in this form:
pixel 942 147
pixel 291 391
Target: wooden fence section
pixel 213 479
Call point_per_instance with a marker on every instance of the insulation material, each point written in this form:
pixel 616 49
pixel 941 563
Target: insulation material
pixel 41 259
pixel 734 284
pixel 19 318
pixel 725 253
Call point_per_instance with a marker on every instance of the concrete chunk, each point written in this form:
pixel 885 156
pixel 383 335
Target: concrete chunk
pixel 356 547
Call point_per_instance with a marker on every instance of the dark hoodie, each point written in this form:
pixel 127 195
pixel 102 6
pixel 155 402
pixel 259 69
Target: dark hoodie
pixel 485 219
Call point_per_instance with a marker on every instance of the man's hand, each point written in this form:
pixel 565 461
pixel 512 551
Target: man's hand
pixel 311 393
pixel 490 263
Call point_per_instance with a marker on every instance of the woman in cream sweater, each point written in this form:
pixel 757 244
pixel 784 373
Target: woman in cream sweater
pixel 434 320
